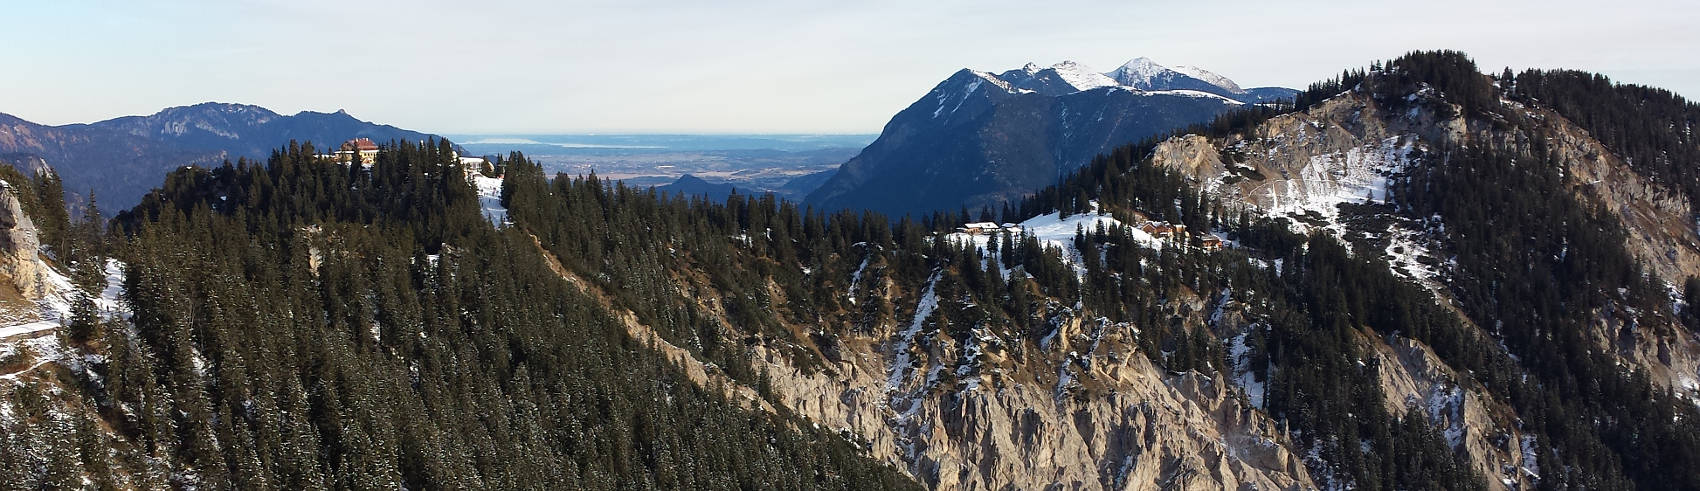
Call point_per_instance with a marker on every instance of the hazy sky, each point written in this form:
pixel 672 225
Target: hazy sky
pixel 496 66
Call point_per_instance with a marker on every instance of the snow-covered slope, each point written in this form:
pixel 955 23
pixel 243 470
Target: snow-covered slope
pixel 489 194
pixel 1053 230
pixel 1139 72
pixel 1144 74
pixel 54 309
pixel 1211 77
pixel 1081 77
pixel 490 198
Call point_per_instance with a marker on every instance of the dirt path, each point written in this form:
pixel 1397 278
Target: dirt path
pixel 700 373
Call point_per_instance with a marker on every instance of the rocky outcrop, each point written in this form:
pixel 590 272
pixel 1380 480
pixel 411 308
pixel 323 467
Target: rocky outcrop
pixel 1415 379
pixel 1304 165
pixel 1343 150
pixel 1340 151
pixel 1082 409
pixel 1192 155
pixel 19 263
pixel 1142 429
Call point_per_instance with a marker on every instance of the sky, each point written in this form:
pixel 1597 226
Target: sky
pixel 794 66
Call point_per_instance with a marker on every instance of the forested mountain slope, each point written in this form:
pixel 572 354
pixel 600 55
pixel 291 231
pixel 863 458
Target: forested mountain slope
pixel 297 325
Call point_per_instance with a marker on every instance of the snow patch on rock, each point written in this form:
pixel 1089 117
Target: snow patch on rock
pixel 1358 175
pixel 1080 77
pixel 1210 77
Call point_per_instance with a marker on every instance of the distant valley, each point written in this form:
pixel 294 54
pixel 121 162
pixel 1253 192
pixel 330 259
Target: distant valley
pixel 789 166
pixel 117 159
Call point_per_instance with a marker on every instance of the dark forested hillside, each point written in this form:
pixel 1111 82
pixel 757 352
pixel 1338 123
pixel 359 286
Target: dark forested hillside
pixel 301 325
pixel 241 130
pixel 1512 209
pixel 1651 128
pixel 120 159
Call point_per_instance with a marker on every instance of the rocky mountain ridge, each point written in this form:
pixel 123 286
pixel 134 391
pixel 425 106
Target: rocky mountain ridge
pixel 1334 168
pixel 1322 167
pixel 1345 151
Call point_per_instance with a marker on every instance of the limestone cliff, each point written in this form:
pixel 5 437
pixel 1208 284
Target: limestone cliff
pixel 19 264
pixel 1084 410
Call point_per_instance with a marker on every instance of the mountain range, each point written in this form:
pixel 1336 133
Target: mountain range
pixel 119 159
pixel 1416 275
pixel 981 138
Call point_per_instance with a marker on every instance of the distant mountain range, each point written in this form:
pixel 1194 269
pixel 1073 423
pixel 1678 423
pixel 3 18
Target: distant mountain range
pixel 119 159
pixel 980 138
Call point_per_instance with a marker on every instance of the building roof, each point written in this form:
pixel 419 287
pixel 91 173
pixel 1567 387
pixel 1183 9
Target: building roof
pixel 361 144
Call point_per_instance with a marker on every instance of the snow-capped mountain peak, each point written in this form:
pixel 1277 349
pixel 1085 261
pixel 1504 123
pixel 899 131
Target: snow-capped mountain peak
pixel 1143 74
pixel 1069 77
pixel 1081 77
pixel 980 138
pixel 1210 77
pixel 993 78
pixel 1138 73
pixel 955 91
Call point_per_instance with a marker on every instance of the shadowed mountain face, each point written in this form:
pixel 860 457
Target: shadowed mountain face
pixel 252 131
pixel 117 159
pixel 693 186
pixel 980 139
pixel 118 167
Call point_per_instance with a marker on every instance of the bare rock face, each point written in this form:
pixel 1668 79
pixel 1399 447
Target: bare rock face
pixel 1083 410
pixel 1304 164
pixel 1415 379
pixel 1193 155
pixel 1187 431
pixel 1340 151
pixel 19 263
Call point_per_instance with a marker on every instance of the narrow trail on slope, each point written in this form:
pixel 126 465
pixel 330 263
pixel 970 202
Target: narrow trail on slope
pixel 698 372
